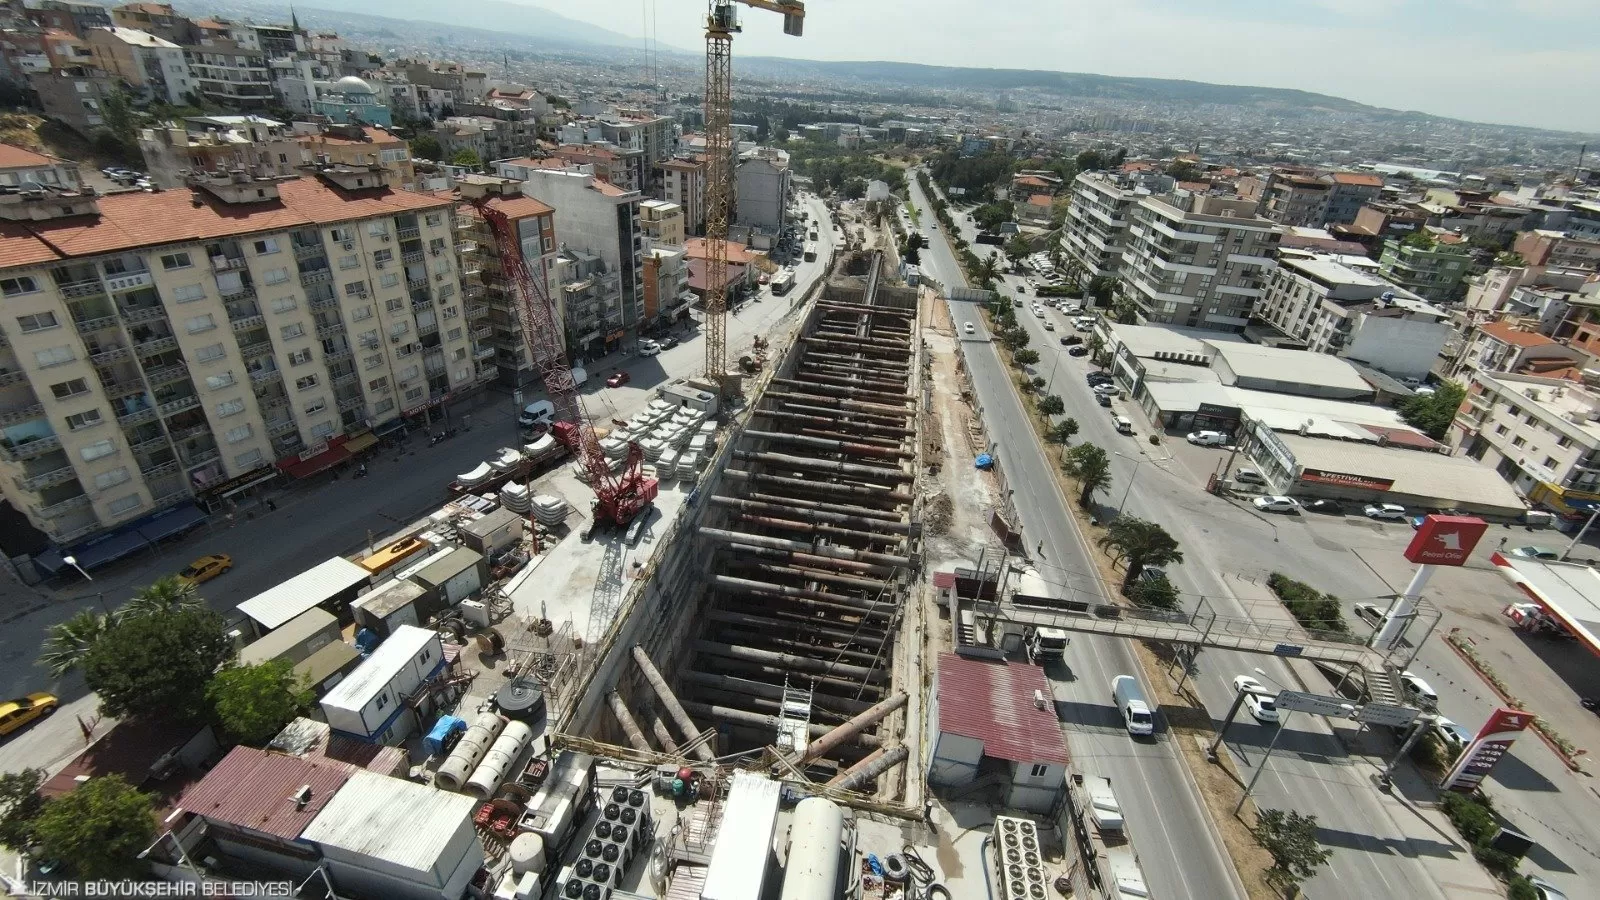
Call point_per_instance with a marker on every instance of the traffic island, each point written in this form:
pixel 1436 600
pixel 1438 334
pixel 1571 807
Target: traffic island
pixel 1569 754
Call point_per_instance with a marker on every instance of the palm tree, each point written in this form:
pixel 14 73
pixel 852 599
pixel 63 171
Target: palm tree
pixel 1092 467
pixel 70 641
pixel 1141 544
pixel 988 268
pixel 169 594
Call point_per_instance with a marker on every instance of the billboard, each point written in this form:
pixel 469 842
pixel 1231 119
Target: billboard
pixel 1491 743
pixel 1345 479
pixel 1445 540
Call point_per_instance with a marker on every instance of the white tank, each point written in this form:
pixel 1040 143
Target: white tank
pixel 486 778
pixel 469 751
pixel 813 869
pixel 527 854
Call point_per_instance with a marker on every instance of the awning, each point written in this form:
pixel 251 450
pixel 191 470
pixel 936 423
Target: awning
pixel 327 459
pixel 390 427
pixel 361 442
pixel 172 521
pixel 108 549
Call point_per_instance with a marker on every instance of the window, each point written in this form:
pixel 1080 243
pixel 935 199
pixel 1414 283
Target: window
pixel 54 356
pixel 463 374
pixel 1563 441
pixel 378 384
pixel 300 357
pixel 266 246
pixel 84 420
pixel 349 261
pixel 1038 771
pixel 393 304
pixel 410 373
pixel 383 699
pixel 382 256
pixel 275 276
pixel 1514 411
pixel 450 312
pixel 210 353
pixel 373 361
pixel 1518 442
pixel 342 234
pixel 218 382
pixel 414 394
pixel 460 354
pixel 361 313
pixel 322 430
pixel 229 408
pixel 125 504
pixel 172 261
pixel 433 219
pixel 454 334
pixel 383 406
pixel 37 322
pixel 355 289
pixel 188 293
pixel 306 383
pixel 98 449
pixel 1549 462
pixel 284 304
pixel 389 279
pixel 1530 419
pixel 399 328
pixel 369 339
pixel 72 388
pixel 248 458
pixel 292 330
pixel 378 227
pixel 235 435
pixel 316 406
pixel 197 324
pixel 1500 429
pixel 112 478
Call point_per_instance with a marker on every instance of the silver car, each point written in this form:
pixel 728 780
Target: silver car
pixel 1385 511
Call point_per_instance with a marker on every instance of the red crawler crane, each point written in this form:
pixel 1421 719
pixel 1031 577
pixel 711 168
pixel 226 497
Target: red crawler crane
pixel 618 497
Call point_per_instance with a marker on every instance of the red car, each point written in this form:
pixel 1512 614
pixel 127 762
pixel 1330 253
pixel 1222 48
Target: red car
pixel 619 379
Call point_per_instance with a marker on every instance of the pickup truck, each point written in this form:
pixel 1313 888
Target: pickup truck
pixel 1132 705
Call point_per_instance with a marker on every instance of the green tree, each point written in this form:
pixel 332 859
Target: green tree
pixel 1092 161
pixel 70 641
pixel 1052 405
pixel 467 157
pixel 1025 357
pixel 121 119
pixel 854 188
pixel 1015 339
pixel 158 663
pixel 1063 431
pixel 1420 240
pixel 1139 544
pixel 163 595
pixel 98 829
pixel 1091 467
pixel 988 268
pixel 1510 260
pixel 1124 312
pixel 1432 414
pixel 991 216
pixel 254 702
pixel 1291 839
pixel 1017 248
pixel 426 146
pixel 1156 593
pixel 1100 288
pixel 1184 170
pixel 20 805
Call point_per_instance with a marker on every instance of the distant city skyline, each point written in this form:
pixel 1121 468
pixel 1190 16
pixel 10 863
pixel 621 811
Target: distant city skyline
pixel 1511 62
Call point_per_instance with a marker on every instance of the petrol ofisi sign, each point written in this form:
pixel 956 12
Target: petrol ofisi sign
pixel 1445 540
pixel 1491 743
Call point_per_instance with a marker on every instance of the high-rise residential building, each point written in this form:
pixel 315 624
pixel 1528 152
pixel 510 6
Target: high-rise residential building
pixel 1433 266
pixel 662 223
pixel 667 297
pixel 761 189
pixel 1295 199
pixel 257 145
pixel 493 311
pixel 155 67
pixel 683 181
pixel 1196 260
pixel 166 348
pixel 227 66
pixel 1347 193
pixel 76 96
pixel 1558 250
pixel 1097 222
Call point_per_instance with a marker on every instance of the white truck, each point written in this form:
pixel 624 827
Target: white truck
pixel 1045 644
pixel 1135 709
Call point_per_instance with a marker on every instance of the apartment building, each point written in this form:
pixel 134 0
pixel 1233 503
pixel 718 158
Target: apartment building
pixel 1378 221
pixel 21 168
pixel 662 223
pixel 1348 192
pixel 667 297
pixel 1335 309
pixel 255 144
pixel 154 67
pixel 1542 435
pixel 1196 260
pixel 1295 199
pixel 1432 266
pixel 160 348
pixel 607 163
pixel 359 145
pixel 493 311
pixel 76 96
pixel 762 185
pixel 1097 222
pixel 1558 250
pixel 1514 346
pixel 683 181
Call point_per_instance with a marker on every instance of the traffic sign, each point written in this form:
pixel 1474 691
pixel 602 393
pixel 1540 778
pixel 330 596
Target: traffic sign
pixel 1385 714
pixel 1288 650
pixel 1316 704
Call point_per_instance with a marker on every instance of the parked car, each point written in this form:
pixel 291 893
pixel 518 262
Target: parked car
pixel 1419 691
pixel 14 714
pixel 1544 890
pixel 1049 326
pixel 1095 378
pixel 1071 340
pixel 1393 511
pixel 1454 737
pixel 1531 552
pixel 649 348
pixel 1257 698
pixel 618 379
pixel 1079 350
pixel 1248 476
pixel 206 568
pixel 1206 438
pixel 1103 400
pixel 1277 504
pixel 668 342
pixel 1321 505
pixel 1107 388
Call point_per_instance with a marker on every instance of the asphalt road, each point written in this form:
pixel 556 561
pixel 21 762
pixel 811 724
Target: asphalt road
pixel 1178 847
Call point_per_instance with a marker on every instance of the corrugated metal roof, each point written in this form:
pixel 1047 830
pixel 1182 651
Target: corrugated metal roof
pixel 992 702
pixel 254 789
pixel 293 632
pixel 404 824
pixel 450 565
pixel 277 605
pixel 393 655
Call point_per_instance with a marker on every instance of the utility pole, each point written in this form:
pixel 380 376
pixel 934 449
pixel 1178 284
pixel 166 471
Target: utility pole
pixel 1262 766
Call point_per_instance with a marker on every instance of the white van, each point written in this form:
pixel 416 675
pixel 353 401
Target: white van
pixel 1123 423
pixel 537 414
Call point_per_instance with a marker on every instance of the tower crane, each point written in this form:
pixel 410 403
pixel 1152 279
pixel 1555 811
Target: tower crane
pixel 618 497
pixel 722 23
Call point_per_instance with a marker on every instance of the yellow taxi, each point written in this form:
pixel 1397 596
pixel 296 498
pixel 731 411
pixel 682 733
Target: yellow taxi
pixel 16 713
pixel 206 568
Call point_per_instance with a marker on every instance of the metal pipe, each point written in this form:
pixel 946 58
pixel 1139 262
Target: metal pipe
pixel 669 700
pixel 774 658
pixel 868 491
pixel 760 720
pixel 797 503
pixel 809 562
pixel 887 415
pixel 850 447
pixel 824 374
pixel 728 617
pixel 856 307
pixel 859 605
pixel 737 638
pixel 823 745
pixel 762 704
pixel 826 465
pixel 821 515
pixel 893 541
pixel 831 552
pixel 630 726
pixel 867 771
pixel 866 584
pixel 664 736
pixel 813 388
pixel 820 684
pixel 751 687
pixel 820 421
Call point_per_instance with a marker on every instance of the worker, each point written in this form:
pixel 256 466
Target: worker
pixel 1039 550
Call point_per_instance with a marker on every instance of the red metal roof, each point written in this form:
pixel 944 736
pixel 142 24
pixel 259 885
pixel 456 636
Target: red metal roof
pixel 254 789
pixel 944 580
pixel 993 702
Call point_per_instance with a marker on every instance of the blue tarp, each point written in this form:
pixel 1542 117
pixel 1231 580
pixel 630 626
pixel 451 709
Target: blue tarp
pixel 441 732
pixel 984 461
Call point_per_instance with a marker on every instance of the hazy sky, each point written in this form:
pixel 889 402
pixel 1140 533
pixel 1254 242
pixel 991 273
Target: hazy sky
pixel 1524 62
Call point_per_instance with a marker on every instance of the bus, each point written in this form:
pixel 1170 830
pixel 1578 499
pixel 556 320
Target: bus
pixel 782 282
pixel 810 251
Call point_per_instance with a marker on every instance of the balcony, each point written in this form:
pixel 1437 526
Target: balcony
pixel 487 371
pixel 346 379
pixel 242 292
pixel 418 284
pixel 137 417
pixel 21 414
pixel 201 457
pixel 475 313
pixel 327 332
pixel 142 313
pixel 247 322
pixel 467 247
pixel 483 333
pixel 272 402
pixel 227 263
pixel 265 376
pixel 325 303
pixel 463 223
pixel 168 374
pixel 408 232
pixel 110 355
pixel 316 276
pixel 173 407
pixel 483 353
pixel 130 281
pixel 144 448
pixel 472 291
pixel 55 510
pixel 281 427
pixel 258 348
pixel 192 432
pixel 352 403
pixel 12 378
pixel 86 326
pixel 74 290
pixel 414 256
pixel 48 479
pixel 307 251
pixel 159 469
pixel 155 345
pixel 29 449
pixel 333 356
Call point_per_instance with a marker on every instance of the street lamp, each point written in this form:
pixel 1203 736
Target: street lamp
pixel 1136 464
pixel 73 562
pixel 1594 510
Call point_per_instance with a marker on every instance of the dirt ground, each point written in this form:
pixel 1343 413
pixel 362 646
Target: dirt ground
pixel 959 496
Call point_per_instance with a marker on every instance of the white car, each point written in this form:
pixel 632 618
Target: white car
pixel 1107 389
pixel 1206 438
pixel 1370 612
pixel 1277 504
pixel 1049 326
pixel 1385 511
pixel 968 328
pixel 1453 736
pixel 1419 691
pixel 1544 890
pixel 1257 698
pixel 649 348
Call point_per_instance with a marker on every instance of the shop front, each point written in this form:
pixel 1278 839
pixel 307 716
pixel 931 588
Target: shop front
pixel 238 489
pixel 315 459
